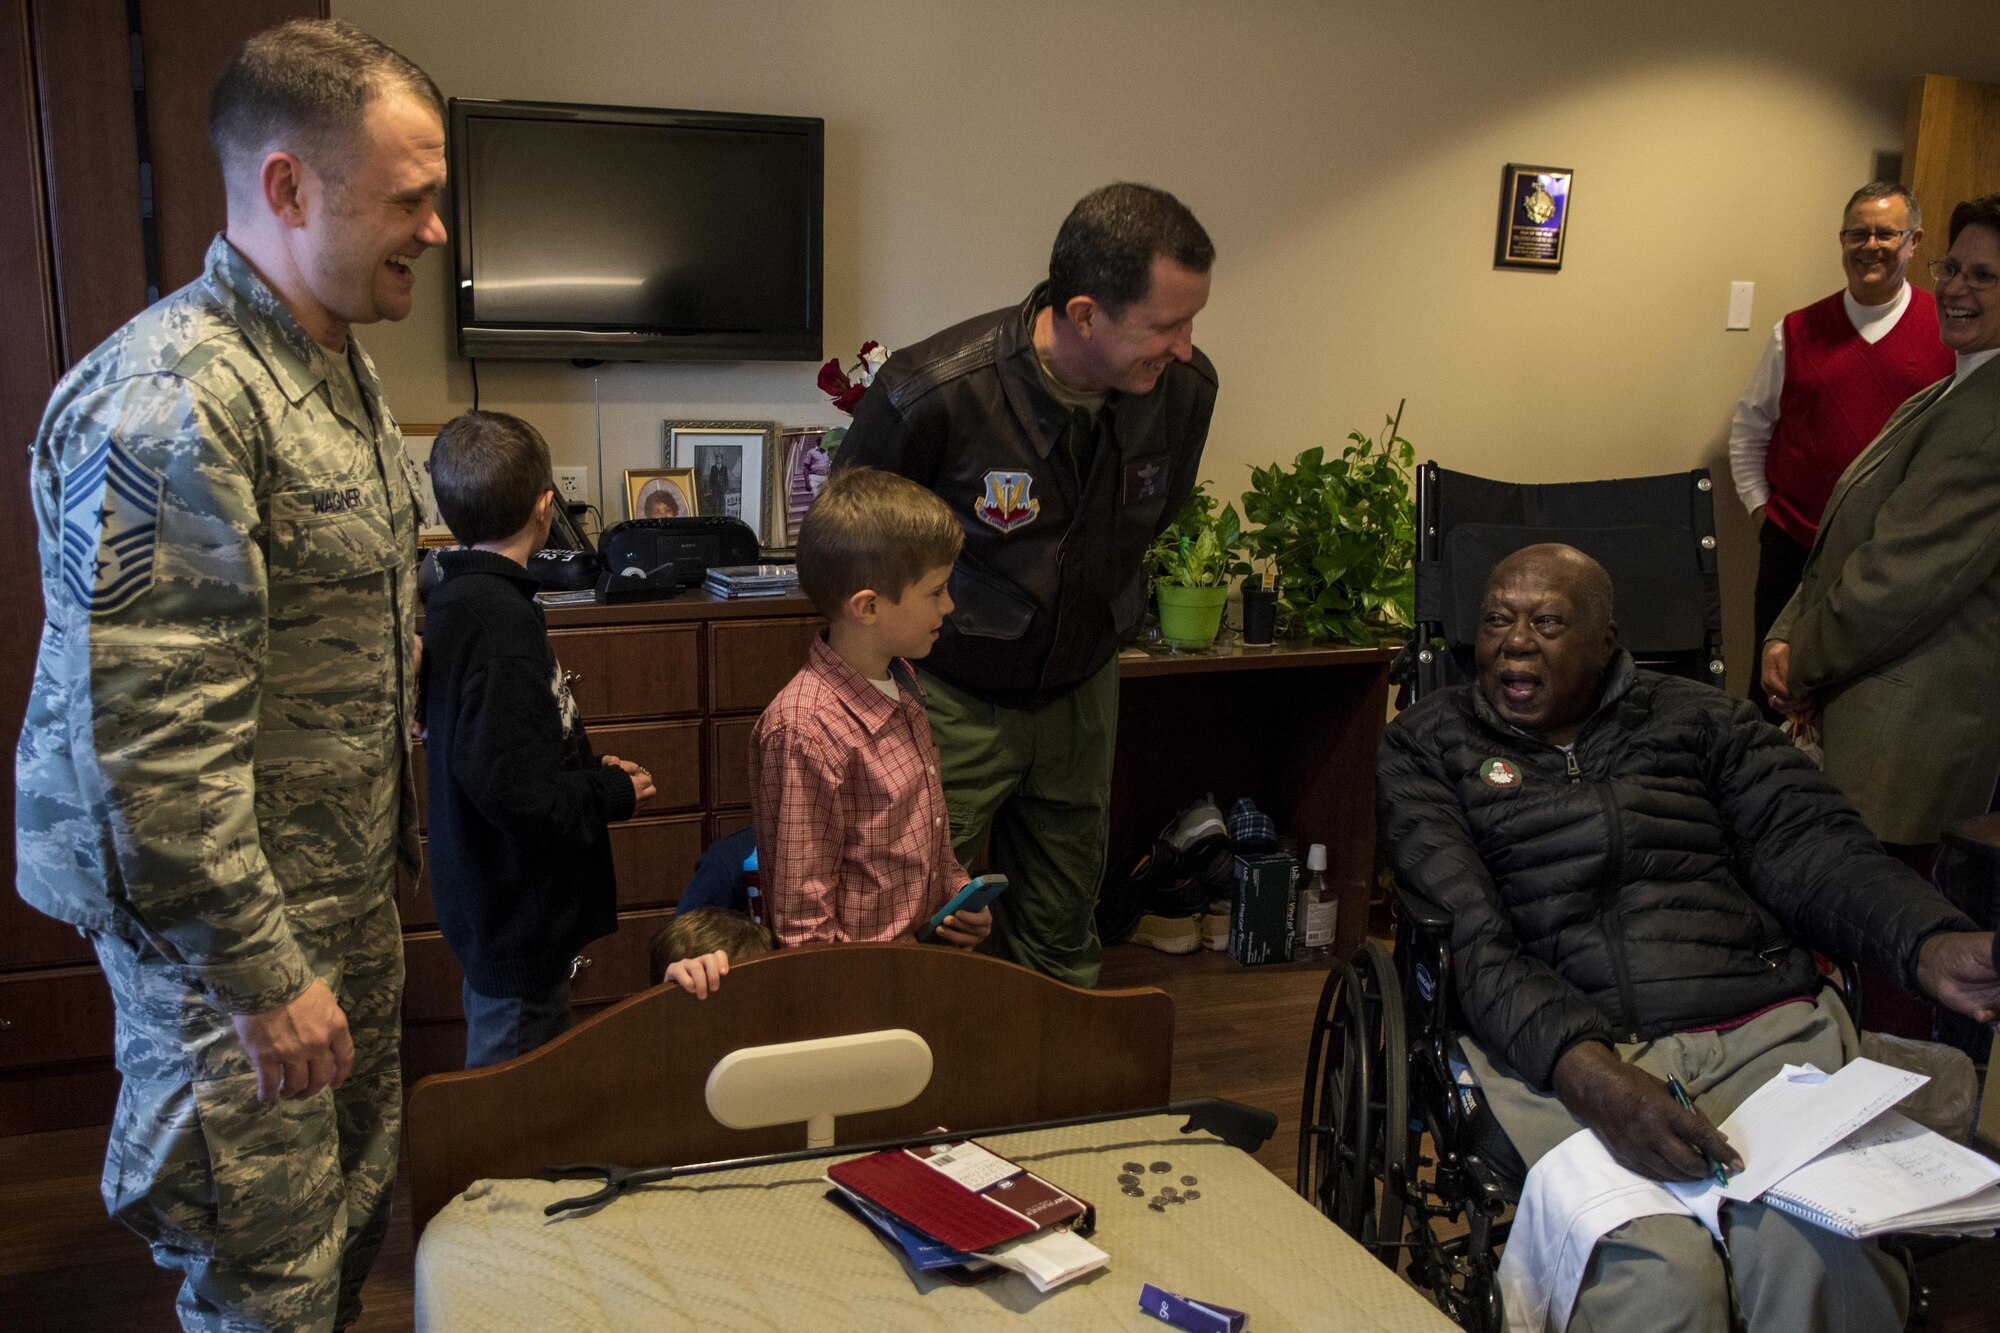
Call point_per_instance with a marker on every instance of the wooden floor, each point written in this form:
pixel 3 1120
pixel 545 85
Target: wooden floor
pixel 1241 1033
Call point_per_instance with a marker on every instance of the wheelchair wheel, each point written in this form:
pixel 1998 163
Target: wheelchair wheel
pixel 1332 1137
pixel 1354 1124
pixel 1395 1149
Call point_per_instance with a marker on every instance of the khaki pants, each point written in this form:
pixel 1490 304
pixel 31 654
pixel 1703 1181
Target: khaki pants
pixel 1039 781
pixel 1664 1273
pixel 272 1214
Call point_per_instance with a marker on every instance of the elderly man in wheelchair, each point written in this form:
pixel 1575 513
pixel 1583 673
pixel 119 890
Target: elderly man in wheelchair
pixel 1635 870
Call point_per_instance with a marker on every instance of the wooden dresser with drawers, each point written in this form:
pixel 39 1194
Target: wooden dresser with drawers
pixel 678 685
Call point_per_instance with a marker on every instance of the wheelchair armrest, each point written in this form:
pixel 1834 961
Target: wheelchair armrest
pixel 1424 914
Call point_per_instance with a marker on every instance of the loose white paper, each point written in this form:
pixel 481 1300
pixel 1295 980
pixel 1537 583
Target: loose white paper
pixel 1049 1258
pixel 1796 1116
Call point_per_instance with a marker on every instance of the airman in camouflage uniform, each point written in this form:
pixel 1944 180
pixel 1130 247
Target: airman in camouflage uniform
pixel 213 777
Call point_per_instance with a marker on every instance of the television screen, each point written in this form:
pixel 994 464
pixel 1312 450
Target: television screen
pixel 623 234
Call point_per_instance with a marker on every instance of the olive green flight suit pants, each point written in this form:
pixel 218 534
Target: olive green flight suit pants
pixel 1038 780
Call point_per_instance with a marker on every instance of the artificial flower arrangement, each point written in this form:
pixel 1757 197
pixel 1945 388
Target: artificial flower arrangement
pixel 846 385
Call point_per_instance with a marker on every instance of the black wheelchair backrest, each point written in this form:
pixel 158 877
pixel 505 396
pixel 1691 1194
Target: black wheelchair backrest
pixel 1654 535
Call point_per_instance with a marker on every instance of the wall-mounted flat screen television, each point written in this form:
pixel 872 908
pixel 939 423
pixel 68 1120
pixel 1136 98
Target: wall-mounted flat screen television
pixel 627 234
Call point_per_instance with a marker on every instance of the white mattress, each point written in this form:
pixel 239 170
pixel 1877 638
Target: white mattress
pixel 762 1249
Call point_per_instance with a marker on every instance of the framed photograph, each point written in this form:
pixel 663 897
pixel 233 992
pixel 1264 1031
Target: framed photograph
pixel 431 529
pixel 661 493
pixel 728 459
pixel 1534 217
pixel 799 467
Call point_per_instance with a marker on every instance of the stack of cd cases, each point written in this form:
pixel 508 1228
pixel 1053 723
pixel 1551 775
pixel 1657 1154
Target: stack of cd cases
pixel 752 580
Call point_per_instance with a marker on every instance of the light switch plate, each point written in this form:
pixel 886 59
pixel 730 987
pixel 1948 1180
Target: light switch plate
pixel 1739 304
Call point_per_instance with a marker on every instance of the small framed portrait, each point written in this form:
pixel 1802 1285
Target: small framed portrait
pixel 799 467
pixel 431 528
pixel 661 493
pixel 1534 217
pixel 728 459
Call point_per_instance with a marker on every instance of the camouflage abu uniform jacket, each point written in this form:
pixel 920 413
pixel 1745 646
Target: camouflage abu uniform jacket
pixel 216 748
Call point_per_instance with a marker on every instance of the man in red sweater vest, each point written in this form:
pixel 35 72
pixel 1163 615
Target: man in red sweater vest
pixel 1830 377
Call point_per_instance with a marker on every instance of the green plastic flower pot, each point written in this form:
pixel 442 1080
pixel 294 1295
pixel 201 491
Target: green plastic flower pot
pixel 1190 617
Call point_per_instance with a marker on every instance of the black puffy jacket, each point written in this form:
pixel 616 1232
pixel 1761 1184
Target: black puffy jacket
pixel 1666 875
pixel 1051 577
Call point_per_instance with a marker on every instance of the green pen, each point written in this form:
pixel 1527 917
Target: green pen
pixel 1720 1172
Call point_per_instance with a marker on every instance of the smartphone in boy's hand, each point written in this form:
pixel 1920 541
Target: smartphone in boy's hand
pixel 969 906
pixel 965 929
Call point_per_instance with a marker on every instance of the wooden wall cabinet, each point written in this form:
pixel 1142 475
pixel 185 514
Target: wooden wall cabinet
pixel 1951 153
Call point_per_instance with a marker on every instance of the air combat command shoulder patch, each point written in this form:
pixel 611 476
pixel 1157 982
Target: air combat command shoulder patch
pixel 1009 502
pixel 111 510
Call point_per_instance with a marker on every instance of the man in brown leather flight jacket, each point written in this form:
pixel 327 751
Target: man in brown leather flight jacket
pixel 1064 433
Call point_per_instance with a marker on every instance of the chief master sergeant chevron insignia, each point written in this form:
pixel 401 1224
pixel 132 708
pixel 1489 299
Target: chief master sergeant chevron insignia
pixel 111 510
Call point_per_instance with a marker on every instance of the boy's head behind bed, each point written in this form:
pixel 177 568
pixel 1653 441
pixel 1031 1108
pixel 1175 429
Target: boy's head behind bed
pixel 490 472
pixel 707 930
pixel 868 541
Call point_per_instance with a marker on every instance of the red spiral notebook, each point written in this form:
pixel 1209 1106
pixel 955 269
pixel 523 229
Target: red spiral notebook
pixel 962 1194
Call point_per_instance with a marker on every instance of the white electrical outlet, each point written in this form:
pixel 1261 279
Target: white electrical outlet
pixel 570 484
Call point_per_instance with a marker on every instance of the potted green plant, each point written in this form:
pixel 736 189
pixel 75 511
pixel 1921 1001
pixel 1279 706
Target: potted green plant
pixel 1190 564
pixel 1342 533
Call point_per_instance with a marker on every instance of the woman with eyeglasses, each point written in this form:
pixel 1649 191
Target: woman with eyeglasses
pixel 1888 649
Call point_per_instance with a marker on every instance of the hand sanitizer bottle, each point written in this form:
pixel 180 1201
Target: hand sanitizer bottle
pixel 1317 909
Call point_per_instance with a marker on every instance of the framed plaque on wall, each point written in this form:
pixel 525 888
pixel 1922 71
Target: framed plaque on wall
pixel 1534 217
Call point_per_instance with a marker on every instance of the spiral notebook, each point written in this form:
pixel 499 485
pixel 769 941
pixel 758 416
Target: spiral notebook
pixel 1893 1175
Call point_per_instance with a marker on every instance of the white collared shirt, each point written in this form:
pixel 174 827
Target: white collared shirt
pixel 1756 418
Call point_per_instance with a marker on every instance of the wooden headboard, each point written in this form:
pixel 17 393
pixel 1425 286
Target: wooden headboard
pixel 1008 1046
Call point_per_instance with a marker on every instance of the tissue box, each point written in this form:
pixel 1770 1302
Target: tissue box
pixel 1260 928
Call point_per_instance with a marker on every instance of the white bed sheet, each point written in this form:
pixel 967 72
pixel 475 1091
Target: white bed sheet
pixel 762 1249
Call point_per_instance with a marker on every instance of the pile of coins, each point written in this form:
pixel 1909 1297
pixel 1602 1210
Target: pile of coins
pixel 1129 1183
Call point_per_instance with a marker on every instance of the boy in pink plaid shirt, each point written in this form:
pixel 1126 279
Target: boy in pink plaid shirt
pixel 853 841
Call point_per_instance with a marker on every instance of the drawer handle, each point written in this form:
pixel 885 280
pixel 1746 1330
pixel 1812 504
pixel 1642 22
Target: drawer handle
pixel 576 965
pixel 6 1025
pixel 571 677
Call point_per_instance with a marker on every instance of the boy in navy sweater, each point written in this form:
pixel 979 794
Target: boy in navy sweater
pixel 519 853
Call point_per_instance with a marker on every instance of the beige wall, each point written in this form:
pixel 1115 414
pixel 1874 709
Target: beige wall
pixel 1345 158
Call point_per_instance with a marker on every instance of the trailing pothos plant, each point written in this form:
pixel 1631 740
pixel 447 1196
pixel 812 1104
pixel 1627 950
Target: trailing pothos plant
pixel 1343 535
pixel 1201 548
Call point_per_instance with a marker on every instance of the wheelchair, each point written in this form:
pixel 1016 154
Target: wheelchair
pixel 1393 1147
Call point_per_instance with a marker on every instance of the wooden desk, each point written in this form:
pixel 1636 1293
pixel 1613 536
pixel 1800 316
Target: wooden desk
pixel 1292 727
